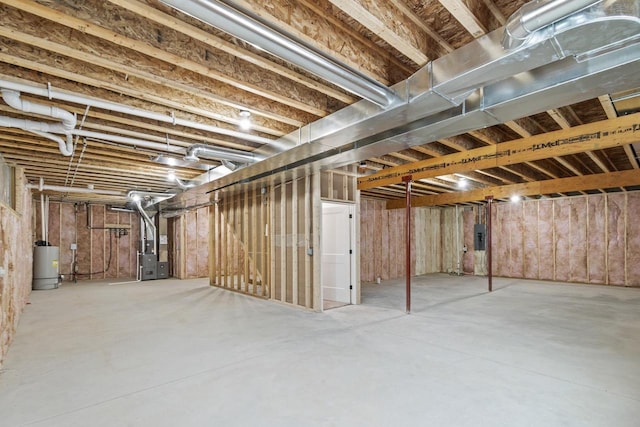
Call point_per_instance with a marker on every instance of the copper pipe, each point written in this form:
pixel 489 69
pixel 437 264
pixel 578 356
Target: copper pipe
pixel 489 200
pixel 407 181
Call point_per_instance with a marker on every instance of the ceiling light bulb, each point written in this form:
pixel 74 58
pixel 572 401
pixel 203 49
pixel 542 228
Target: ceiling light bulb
pixel 463 183
pixel 171 161
pixel 515 198
pixel 171 176
pixel 245 121
pixel 135 198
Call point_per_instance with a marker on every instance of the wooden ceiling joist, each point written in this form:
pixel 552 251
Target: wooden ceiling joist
pixel 552 186
pixel 610 133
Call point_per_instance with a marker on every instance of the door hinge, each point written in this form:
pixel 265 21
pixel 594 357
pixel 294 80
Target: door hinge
pixel 350 216
pixel 350 252
pixel 350 286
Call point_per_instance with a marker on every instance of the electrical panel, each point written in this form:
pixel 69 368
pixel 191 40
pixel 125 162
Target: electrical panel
pixel 479 237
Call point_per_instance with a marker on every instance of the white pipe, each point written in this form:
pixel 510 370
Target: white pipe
pixel 63 189
pixel 66 125
pixel 66 148
pixel 42 216
pixel 129 141
pixel 46 218
pixel 43 129
pixel 125 109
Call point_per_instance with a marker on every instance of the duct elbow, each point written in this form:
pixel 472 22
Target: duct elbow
pixel 536 15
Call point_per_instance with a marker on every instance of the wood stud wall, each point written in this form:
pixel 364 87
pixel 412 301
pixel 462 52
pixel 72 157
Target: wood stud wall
pixel 382 249
pixel 68 224
pixel 583 239
pixel 260 240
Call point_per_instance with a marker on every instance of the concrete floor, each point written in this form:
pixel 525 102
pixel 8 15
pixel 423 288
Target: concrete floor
pixel 169 353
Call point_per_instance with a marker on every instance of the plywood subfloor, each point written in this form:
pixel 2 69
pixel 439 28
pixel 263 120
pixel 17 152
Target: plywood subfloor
pixel 167 353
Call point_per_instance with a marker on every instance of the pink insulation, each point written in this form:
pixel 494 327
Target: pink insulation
pixel 596 239
pixel 546 263
pixel 67 235
pixel 203 242
pixel 191 244
pixel 578 251
pixel 124 248
pixel 562 227
pixel 54 224
pixel 530 240
pixel 16 252
pixel 96 250
pixel 500 240
pixel 517 231
pixel 616 241
pixel 84 243
pixel 468 221
pixel 366 246
pixel 633 239
pixel 111 244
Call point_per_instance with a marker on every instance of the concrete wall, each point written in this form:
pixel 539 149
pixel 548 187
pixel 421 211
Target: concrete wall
pixel 16 258
pixel 101 254
pixel 584 239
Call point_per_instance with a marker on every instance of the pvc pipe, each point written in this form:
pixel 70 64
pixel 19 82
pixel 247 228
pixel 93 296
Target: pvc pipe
pixel 42 230
pixel 125 109
pixel 63 189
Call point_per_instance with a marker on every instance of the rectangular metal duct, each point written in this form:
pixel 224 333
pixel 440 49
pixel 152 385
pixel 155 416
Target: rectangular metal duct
pixel 582 56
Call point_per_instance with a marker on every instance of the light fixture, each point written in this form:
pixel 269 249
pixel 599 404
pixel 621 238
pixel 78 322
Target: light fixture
pixel 135 197
pixel 171 176
pixel 245 120
pixel 171 161
pixel 463 183
pixel 515 198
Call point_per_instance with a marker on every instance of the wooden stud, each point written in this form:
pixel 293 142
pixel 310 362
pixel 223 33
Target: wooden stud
pixel 294 241
pixel 283 240
pixel 245 240
pixel 307 240
pixel 316 202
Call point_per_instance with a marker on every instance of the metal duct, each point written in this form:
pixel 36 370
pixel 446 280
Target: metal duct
pixel 150 226
pixel 219 153
pixel 578 58
pixel 243 24
pixel 538 14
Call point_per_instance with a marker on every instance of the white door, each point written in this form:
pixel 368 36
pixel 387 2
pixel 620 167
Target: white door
pixel 336 256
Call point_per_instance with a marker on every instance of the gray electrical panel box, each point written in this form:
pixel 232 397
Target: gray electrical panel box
pixel 479 237
pixel 163 270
